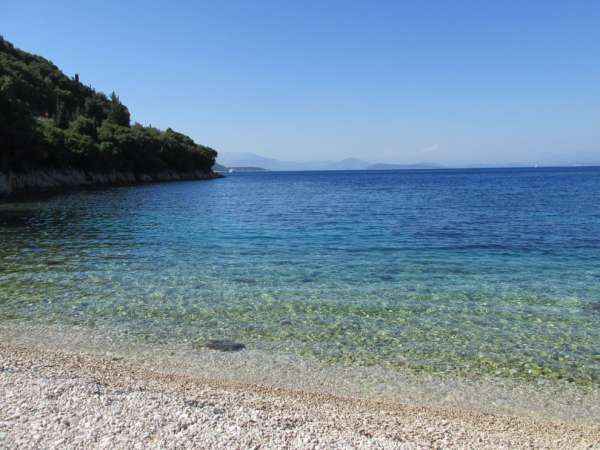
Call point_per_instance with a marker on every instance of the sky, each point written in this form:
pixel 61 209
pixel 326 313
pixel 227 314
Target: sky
pixel 453 82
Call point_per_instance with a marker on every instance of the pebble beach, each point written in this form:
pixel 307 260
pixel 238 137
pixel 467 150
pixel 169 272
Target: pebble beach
pixel 57 399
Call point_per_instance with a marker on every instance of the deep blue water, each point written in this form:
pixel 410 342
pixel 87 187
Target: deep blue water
pixel 468 271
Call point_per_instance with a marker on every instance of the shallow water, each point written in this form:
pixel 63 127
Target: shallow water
pixel 470 273
pixel 554 400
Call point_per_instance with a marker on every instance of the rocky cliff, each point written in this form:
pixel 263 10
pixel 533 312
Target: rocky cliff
pixel 59 179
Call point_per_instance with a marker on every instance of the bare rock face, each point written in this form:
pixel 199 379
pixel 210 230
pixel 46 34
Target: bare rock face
pixel 55 179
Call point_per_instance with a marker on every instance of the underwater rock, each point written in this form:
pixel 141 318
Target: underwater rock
pixel 223 345
pixel 245 280
pixel 592 308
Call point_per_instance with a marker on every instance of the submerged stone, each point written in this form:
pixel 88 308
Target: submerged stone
pixel 224 345
pixel 593 308
pixel 245 280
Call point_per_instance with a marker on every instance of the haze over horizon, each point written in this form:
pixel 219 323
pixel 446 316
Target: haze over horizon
pixel 253 160
pixel 453 84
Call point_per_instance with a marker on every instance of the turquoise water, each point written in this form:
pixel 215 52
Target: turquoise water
pixel 472 272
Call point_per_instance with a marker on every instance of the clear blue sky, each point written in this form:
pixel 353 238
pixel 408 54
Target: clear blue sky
pixel 455 82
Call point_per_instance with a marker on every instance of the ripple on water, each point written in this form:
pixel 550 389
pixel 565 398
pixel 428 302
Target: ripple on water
pixel 470 274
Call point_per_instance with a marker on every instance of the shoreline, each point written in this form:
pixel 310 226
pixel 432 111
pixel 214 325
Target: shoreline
pixel 36 183
pixel 272 367
pixel 66 399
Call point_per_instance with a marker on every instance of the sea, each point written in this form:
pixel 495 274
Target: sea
pixel 471 288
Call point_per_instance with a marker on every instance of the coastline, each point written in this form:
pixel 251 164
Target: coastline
pixel 72 399
pixel 56 180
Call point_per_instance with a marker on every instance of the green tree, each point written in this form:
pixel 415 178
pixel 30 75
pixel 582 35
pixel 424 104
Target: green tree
pixel 118 113
pixel 84 126
pixel 61 117
pixel 94 109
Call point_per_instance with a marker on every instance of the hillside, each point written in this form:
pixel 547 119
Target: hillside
pixel 51 121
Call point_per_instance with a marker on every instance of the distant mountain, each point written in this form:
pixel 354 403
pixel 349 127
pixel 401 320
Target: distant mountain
pixel 253 160
pixel 222 169
pixel 247 169
pixel 248 160
pixel 219 168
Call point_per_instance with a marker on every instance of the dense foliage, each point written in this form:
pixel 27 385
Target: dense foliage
pixel 50 120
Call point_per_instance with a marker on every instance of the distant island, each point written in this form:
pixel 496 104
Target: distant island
pixel 222 169
pixel 247 169
pixel 56 132
pixel 244 159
